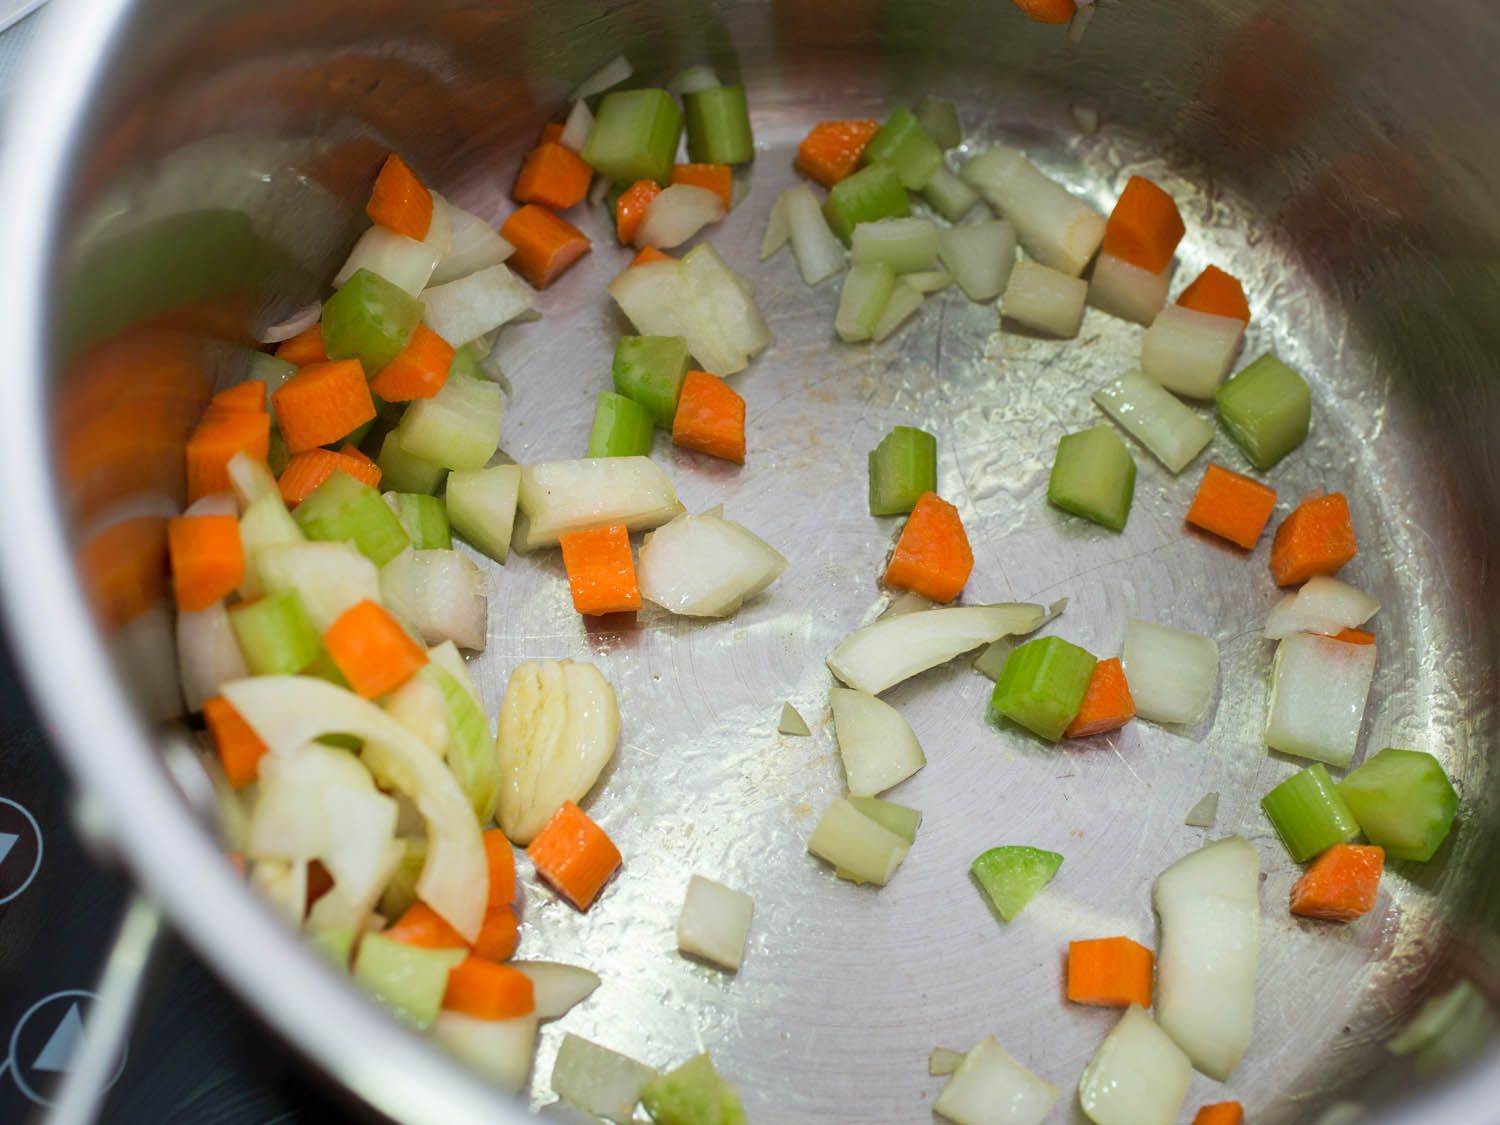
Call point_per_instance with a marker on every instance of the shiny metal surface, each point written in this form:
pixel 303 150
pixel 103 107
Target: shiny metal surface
pixel 1341 167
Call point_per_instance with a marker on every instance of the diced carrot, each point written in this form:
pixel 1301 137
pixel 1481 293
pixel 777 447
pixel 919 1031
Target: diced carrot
pixel 831 151
pixel 631 207
pixel 208 562
pixel 372 650
pixel 125 568
pixel 488 991
pixel 1110 972
pixel 322 403
pixel 553 176
pixel 710 417
pixel 717 178
pixel 398 201
pixel 1218 293
pixel 1317 538
pixel 1354 637
pixel 310 468
pixel 240 748
pixel 1231 506
pixel 601 571
pixel 1047 11
pixel 1107 702
pixel 1221 1113
pixel 359 464
pixel 552 131
pixel 419 370
pixel 649 254
pixel 545 245
pixel 249 395
pixel 500 858
pixel 1145 226
pixel 574 854
pixel 304 348
pixel 424 927
pixel 217 438
pixel 1341 884
pixel 499 934
pixel 932 557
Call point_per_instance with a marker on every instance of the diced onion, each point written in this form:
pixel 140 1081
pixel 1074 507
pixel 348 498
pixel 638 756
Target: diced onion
pixel 463 310
pixel 1172 672
pixel 562 496
pixel 440 227
pixel 705 566
pixel 990 1088
pixel 1138 1076
pixel 1045 299
pixel 904 301
pixel 817 249
pixel 475 246
pixel 301 320
pixel 404 262
pixel 1202 814
pixel 1323 605
pixel 282 886
pixel 792 722
pixel 576 128
pixel 906 245
pixel 1057 229
pixel 1319 687
pixel 893 649
pixel 980 256
pixel 1190 352
pixel 943 1061
pixel 598 1081
pixel 860 850
pixel 439 594
pixel 498 1050
pixel 145 653
pixel 558 988
pixel 878 747
pixel 207 653
pixel 1148 412
pixel 610 74
pixel 1127 291
pixel 250 479
pixel 678 213
pixel 715 922
pixel 778 229
pixel 599 189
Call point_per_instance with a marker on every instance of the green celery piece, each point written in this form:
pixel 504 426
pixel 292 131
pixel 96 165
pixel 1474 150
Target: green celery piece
pixel 862 300
pixel 471 751
pixel 693 1094
pixel 457 428
pixel 401 891
pixel 335 943
pixel 903 144
pixel 1093 476
pixel 649 370
pixel 718 126
pixel 274 634
pixel 1403 801
pixel 406 472
pixel 899 819
pixel 1308 814
pixel 346 510
pixel 265 523
pixel 1266 408
pixel 902 467
pixel 406 979
pixel 425 519
pixel 634 136
pixel 873 193
pixel 940 118
pixel 1042 685
pixel 1011 876
pixel 622 427
pixel 949 195
pixel 369 319
pixel 482 507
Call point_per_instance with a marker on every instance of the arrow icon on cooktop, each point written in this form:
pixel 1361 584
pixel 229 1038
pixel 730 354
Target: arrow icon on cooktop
pixel 58 1052
pixel 7 841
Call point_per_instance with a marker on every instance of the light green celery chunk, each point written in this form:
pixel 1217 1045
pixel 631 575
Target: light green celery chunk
pixel 860 849
pixel 458 428
pixel 401 891
pixel 405 979
pixel 869 195
pixel 1266 408
pixel 274 634
pixel 347 510
pixel 471 752
pixel 622 427
pixel 1093 476
pixel 866 292
pixel 949 196
pixel 1156 418
pixel 425 519
pixel 693 1094
pixel 1010 877
pixel 902 467
pixel 1042 686
pixel 939 117
pixel 634 136
pixel 334 942
pixel 718 126
pixel 1308 813
pixel 405 473
pixel 903 144
pixel 370 320
pixel 1403 801
pixel 906 245
pixel 899 819
pixel 482 507
pixel 649 370
pixel 265 523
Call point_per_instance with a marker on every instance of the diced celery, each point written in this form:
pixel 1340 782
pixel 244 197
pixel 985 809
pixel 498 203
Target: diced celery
pixel 369 319
pixel 406 979
pixel 1042 685
pixel 939 117
pixel 344 509
pixel 948 195
pixel 903 144
pixel 1266 408
pixel 906 245
pixel 622 427
pixel 899 819
pixel 649 370
pixel 902 467
pixel 1308 813
pixel 862 300
pixel 1156 418
pixel 693 1094
pixel 1011 876
pixel 869 195
pixel 425 519
pixel 265 523
pixel 482 507
pixel 860 849
pixel 718 126
pixel 401 891
pixel 634 136
pixel 274 634
pixel 471 749
pixel 458 428
pixel 1403 801
pixel 406 472
pixel 335 943
pixel 1093 476
pixel 900 306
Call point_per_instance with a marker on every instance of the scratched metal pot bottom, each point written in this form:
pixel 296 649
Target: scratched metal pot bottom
pixel 845 989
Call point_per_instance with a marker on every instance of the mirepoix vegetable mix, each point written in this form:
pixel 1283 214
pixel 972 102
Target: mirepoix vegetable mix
pixel 334 569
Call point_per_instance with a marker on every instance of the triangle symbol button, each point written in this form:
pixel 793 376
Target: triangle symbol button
pixel 7 841
pixel 62 1044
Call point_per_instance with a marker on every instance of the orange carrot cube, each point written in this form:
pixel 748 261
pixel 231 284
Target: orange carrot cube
pixel 601 570
pixel 398 201
pixel 207 560
pixel 240 748
pixel 553 176
pixel 322 403
pixel 1341 884
pixel 932 557
pixel 831 151
pixel 1231 506
pixel 1317 538
pixel 371 649
pixel 1110 972
pixel 575 855
pixel 710 417
pixel 1107 702
pixel 419 370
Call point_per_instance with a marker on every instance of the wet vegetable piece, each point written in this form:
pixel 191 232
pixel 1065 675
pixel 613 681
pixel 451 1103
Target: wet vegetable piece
pixel 1010 877
pixel 1093 476
pixel 1043 686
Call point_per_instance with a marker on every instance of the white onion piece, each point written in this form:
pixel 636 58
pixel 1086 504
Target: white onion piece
pixel 282 886
pixel 1323 605
pixel 1056 227
pixel 1150 414
pixel 980 256
pixel 558 988
pixel 678 213
pixel 715 922
pixel 943 1061
pixel 475 246
pixel 301 320
pixel 705 566
pixel 610 74
pixel 929 281
pixel 561 496
pixel 250 479
pixel 497 1050
pixel 576 128
pixel 1127 291
pixel 992 1088
pixel 214 504
pixel 1086 117
pixel 860 850
pixel 1045 299
pixel 1138 1076
pixel 899 306
pixel 877 745
pixel 440 594
pixel 778 229
pixel 404 262
pixel 693 79
pixel 145 653
pixel 792 722
pixel 1202 814
pixel 1083 15
pixel 440 227
pixel 1319 687
pixel 419 706
pixel 1190 352
pixel 817 249
pixel 329 577
pixel 1172 672
pixel 463 310
pixel 598 1081
pixel 207 653
pixel 1209 906
pixel 893 649
pixel 599 189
